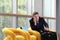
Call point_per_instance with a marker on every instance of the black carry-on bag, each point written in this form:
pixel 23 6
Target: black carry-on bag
pixel 49 36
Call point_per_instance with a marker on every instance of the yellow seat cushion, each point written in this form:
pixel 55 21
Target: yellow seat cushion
pixel 8 38
pixel 32 37
pixel 20 38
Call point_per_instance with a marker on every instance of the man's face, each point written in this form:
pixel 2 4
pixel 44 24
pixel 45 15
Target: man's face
pixel 36 16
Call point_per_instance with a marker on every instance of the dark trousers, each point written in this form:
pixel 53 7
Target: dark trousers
pixel 47 35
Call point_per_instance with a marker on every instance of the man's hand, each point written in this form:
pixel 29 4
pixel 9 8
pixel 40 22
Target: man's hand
pixel 47 29
pixel 34 20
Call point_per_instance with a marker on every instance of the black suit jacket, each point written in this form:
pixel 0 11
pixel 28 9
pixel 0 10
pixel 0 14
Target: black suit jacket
pixel 40 24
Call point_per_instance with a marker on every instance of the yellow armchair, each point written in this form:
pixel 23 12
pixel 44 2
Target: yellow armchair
pixel 17 34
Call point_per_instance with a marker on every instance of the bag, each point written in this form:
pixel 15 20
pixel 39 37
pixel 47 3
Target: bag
pixel 49 36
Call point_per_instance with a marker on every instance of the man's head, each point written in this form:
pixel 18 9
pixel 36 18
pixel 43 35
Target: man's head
pixel 36 15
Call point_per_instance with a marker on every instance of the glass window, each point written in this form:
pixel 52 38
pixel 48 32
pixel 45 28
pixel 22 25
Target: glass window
pixel 25 7
pixel 32 6
pixel 6 6
pixel 22 21
pixel 1 34
pixel 49 8
pixel 22 6
pixel 5 21
pixel 52 24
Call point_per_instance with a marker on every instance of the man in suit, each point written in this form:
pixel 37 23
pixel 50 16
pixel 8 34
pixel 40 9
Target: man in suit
pixel 38 23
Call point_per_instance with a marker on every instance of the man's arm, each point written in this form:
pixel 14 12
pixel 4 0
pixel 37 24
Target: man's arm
pixel 44 23
pixel 46 27
pixel 32 25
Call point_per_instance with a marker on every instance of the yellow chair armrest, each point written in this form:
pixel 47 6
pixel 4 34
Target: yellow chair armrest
pixel 9 32
pixel 8 38
pixel 36 33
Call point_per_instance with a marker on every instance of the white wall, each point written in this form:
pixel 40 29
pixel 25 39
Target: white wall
pixel 38 6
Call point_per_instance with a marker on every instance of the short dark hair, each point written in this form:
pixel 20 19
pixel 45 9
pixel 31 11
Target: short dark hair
pixel 35 13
